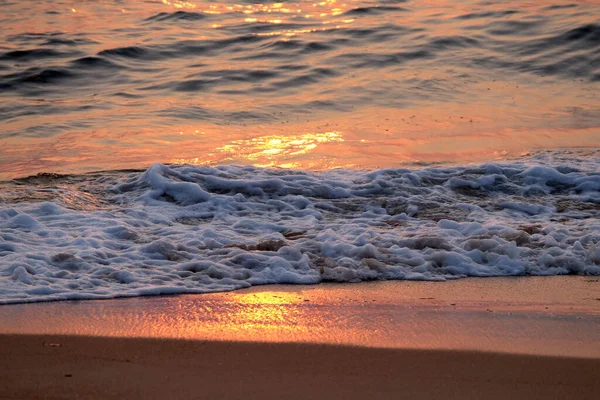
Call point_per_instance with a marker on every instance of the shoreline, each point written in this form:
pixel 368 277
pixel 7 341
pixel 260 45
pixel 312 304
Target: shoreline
pixel 492 338
pixel 554 316
pixel 515 156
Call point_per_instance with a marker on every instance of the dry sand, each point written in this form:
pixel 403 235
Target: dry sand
pixel 475 338
pixel 59 367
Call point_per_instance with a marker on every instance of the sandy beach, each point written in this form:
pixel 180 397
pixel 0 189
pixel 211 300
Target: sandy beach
pixel 66 367
pixel 474 338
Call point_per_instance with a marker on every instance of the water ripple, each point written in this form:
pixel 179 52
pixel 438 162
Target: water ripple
pixel 118 70
pixel 176 16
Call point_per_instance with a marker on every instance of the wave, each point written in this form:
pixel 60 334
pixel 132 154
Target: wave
pixel 132 52
pixel 94 63
pixel 50 39
pixel 57 62
pixel 33 54
pixel 176 16
pixel 190 229
pixel 374 10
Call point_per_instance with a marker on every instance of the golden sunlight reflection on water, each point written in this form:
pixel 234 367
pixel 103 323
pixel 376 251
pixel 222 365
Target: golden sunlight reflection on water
pixel 265 151
pixel 271 151
pixel 306 10
pixel 283 12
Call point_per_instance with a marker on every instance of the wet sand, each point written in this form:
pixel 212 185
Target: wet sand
pixel 473 338
pixel 557 316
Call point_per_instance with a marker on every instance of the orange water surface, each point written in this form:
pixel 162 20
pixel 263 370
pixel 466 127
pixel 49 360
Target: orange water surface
pixel 310 85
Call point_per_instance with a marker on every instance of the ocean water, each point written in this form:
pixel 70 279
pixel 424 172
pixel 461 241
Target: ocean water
pixel 197 229
pixel 295 142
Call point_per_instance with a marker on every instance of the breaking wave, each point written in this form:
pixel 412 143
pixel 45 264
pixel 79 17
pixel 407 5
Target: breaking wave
pixel 191 229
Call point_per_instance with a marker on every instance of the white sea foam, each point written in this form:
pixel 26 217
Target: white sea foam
pixel 186 229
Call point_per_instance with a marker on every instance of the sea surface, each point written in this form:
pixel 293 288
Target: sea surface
pixel 155 147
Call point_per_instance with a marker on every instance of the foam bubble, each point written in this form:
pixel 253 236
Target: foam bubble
pixel 186 229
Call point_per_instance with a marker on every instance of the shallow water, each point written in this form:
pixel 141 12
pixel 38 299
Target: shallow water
pixel 97 85
pixel 426 140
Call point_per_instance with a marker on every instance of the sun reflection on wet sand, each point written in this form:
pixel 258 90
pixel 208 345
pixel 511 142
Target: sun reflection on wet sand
pixel 530 315
pixel 268 311
pixel 259 315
